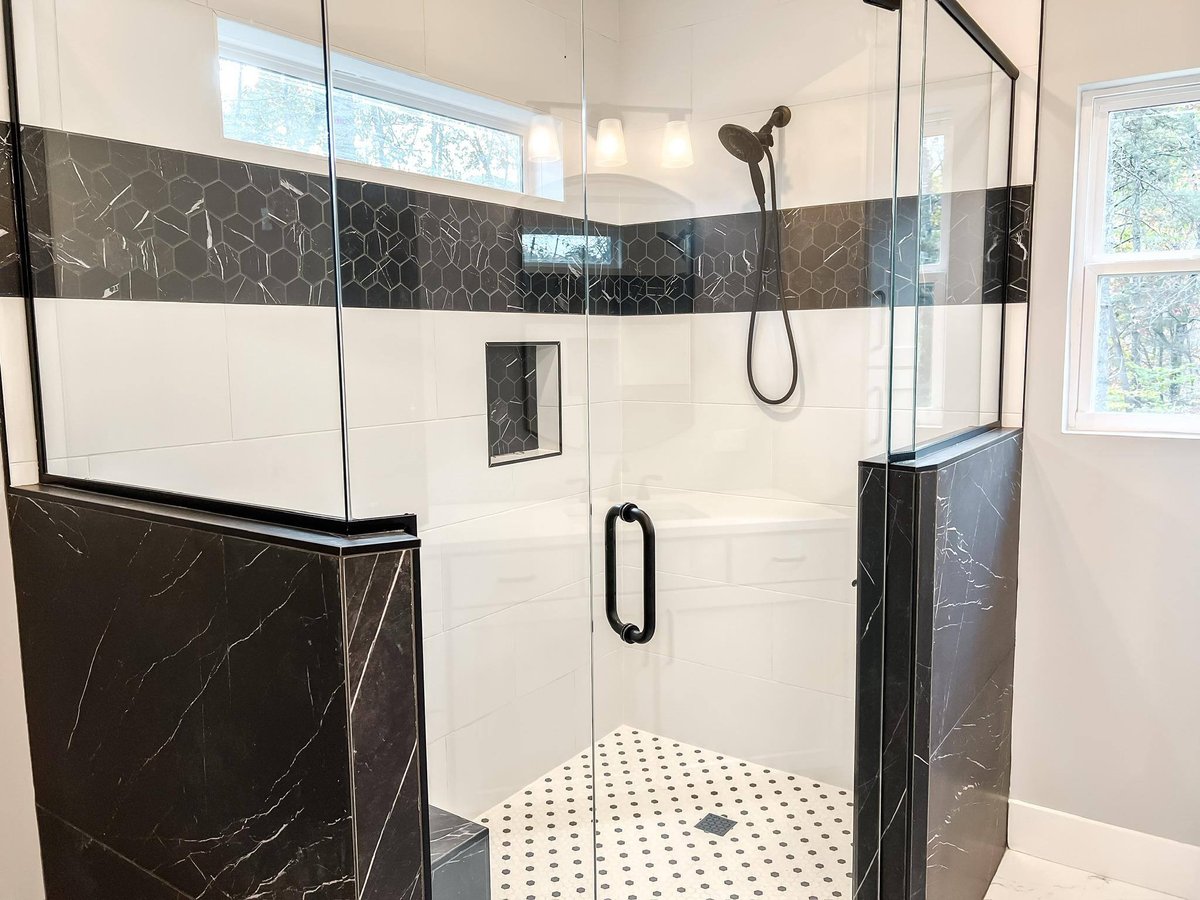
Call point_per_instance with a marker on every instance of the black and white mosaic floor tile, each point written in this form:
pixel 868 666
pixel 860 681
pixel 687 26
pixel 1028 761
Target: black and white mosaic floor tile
pixel 790 837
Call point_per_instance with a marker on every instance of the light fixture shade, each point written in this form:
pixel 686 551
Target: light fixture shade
pixel 677 146
pixel 610 143
pixel 544 146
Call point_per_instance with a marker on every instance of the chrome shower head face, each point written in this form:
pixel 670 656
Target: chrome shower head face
pixel 742 143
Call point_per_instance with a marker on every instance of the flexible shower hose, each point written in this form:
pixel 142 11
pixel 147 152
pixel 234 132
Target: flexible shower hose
pixel 760 277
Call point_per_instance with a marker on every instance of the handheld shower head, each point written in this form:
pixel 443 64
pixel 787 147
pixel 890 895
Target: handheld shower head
pixel 742 143
pixel 751 146
pixel 746 145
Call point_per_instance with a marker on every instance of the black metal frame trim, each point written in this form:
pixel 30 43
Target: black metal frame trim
pixel 314 539
pixel 969 25
pixel 942 443
pixel 21 214
pixel 980 37
pixel 406 522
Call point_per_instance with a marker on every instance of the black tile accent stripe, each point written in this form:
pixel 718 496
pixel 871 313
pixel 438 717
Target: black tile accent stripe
pixel 405 249
pixel 111 219
pixel 117 220
pixel 10 260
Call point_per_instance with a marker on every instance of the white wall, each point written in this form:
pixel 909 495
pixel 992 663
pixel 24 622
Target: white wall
pixel 505 550
pixel 1107 723
pixel 755 512
pixel 227 401
pixel 712 63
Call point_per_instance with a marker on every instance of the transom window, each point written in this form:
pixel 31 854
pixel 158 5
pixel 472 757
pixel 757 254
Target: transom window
pixel 272 93
pixel 1135 361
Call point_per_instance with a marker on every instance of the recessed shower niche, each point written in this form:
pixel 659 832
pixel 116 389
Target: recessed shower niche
pixel 524 401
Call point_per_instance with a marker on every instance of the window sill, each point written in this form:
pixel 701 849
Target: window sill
pixel 1186 427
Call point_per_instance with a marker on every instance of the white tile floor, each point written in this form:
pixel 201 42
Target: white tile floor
pixel 789 836
pixel 1024 877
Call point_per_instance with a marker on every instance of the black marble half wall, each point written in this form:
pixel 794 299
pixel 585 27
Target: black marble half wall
pixel 218 708
pixel 937 629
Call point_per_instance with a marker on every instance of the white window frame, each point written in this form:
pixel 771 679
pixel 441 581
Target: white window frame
pixel 252 45
pixel 1090 262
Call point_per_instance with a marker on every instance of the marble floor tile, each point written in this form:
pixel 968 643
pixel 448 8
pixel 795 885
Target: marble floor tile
pixel 1023 877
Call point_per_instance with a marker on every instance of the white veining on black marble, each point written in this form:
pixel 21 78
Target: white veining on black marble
pixel 184 722
pixel 945 539
pixel 115 220
pixel 387 752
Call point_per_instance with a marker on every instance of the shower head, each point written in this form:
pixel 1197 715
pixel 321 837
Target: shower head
pixel 751 146
pixel 742 143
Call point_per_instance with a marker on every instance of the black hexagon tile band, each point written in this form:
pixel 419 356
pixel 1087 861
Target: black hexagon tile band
pixel 111 219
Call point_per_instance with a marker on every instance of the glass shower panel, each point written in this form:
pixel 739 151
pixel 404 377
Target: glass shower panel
pixel 907 244
pixel 460 208
pixel 179 211
pixel 741 156
pixel 961 240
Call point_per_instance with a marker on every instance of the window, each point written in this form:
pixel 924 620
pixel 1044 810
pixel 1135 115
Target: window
pixel 1135 360
pixel 272 93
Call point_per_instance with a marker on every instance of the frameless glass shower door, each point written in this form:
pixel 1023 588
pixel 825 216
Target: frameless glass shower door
pixel 741 158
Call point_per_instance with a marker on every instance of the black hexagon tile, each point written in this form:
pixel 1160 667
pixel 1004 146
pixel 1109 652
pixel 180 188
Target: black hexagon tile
pixel 110 219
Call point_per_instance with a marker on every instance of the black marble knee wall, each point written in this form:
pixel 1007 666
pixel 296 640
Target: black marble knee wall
pixel 218 712
pixel 937 616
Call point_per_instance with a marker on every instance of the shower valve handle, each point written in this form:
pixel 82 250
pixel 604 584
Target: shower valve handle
pixel 628 632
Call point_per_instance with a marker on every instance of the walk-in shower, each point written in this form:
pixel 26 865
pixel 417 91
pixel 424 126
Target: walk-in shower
pixel 482 272
pixel 750 147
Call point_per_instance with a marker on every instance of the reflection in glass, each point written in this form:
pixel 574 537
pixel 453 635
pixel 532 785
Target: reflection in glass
pixel 567 250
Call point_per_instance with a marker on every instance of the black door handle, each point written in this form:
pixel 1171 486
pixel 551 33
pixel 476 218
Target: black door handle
pixel 629 632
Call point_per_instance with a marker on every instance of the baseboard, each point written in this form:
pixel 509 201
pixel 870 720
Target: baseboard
pixel 1144 860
